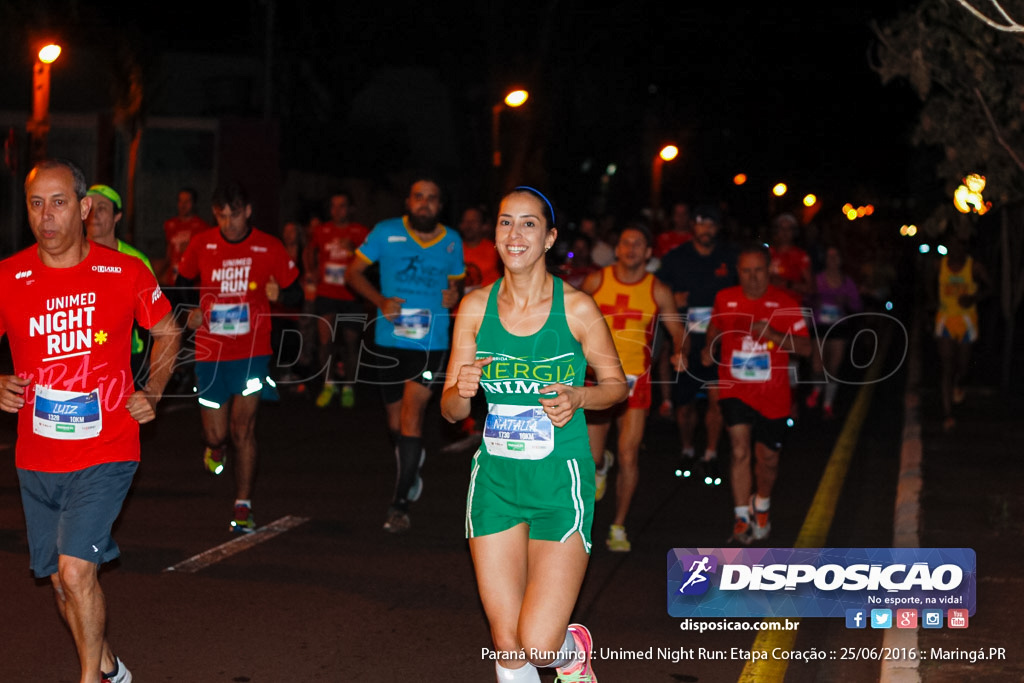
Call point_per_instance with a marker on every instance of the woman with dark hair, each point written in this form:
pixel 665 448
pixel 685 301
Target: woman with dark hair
pixel 527 340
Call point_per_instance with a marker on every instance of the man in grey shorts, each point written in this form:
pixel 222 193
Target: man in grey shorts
pixel 68 314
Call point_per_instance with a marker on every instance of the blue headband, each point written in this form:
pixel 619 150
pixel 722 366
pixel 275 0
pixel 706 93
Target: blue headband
pixel 541 195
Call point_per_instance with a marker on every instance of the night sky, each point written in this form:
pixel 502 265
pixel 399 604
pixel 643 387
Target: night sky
pixel 777 91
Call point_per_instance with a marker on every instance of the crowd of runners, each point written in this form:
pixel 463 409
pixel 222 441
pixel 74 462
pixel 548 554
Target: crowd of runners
pixel 546 340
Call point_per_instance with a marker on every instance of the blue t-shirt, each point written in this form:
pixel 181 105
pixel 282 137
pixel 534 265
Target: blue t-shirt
pixel 418 272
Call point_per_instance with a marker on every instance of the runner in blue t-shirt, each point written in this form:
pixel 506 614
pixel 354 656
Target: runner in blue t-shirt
pixel 421 272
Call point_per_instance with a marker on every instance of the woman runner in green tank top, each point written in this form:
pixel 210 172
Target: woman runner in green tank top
pixel 526 340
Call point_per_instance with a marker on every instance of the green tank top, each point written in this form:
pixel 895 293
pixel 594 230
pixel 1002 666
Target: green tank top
pixel 516 425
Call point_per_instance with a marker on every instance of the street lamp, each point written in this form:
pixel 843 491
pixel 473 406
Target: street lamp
pixel 39 125
pixel 514 99
pixel 666 153
pixel 968 197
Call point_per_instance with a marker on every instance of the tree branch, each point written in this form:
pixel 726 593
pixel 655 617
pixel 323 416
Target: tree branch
pixel 1011 27
pixel 995 129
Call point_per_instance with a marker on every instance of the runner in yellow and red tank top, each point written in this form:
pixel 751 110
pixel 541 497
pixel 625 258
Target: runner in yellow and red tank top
pixel 630 299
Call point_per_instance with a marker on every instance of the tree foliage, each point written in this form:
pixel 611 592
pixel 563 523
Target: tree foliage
pixel 970 79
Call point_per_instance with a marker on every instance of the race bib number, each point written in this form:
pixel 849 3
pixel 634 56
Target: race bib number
pixel 829 313
pixel 66 415
pixel 697 319
pixel 413 323
pixel 229 319
pixel 520 432
pixel 334 273
pixel 751 366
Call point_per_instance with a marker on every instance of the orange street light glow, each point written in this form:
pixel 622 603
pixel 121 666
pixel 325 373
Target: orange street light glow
pixel 810 200
pixel 516 98
pixel 779 189
pixel 669 152
pixel 49 53
pixel 739 178
pixel 852 214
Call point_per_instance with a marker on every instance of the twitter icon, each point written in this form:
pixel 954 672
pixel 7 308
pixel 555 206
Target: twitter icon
pixel 881 618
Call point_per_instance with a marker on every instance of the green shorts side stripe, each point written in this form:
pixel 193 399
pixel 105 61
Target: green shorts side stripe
pixel 577 501
pixel 469 496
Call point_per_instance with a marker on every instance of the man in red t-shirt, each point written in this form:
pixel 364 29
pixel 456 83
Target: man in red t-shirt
pixel 239 271
pixel 482 263
pixel 327 256
pixel 754 326
pixel 680 231
pixel 790 267
pixel 178 231
pixel 67 310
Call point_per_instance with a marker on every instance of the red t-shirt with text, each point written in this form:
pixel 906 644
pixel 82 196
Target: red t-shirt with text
pixel 232 291
pixel 70 331
pixel 754 370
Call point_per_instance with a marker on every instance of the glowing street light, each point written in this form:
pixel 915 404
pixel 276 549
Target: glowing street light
pixel 739 179
pixel 779 189
pixel 666 153
pixel 967 197
pixel 810 200
pixel 515 98
pixel 39 125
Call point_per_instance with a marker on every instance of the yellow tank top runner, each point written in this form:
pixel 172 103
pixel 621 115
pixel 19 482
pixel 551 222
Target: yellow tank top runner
pixel 630 311
pixel 953 285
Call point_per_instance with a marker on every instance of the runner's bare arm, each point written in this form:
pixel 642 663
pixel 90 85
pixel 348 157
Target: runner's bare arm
pixel 592 283
pixel 785 341
pixel 462 380
pixel 12 392
pixel 707 354
pixel 669 317
pixel 589 327
pixel 357 281
pixel 166 342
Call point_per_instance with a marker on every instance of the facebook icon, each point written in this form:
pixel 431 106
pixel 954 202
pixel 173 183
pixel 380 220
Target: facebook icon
pixel 856 618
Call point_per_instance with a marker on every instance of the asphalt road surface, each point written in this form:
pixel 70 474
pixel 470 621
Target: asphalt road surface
pixel 333 597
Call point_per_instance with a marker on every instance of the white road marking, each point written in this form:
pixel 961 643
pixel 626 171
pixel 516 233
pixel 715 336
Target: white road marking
pixel 236 545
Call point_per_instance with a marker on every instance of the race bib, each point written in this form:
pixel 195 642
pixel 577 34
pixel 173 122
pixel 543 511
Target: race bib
pixel 520 432
pixel 334 273
pixel 66 415
pixel 631 383
pixel 229 319
pixel 413 323
pixel 753 366
pixel 697 319
pixel 829 313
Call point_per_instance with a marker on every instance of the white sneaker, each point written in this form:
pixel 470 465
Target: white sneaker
pixel 121 673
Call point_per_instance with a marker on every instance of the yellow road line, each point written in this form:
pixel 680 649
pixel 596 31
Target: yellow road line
pixel 818 520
